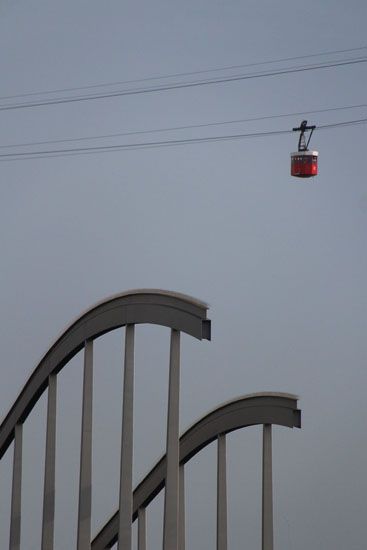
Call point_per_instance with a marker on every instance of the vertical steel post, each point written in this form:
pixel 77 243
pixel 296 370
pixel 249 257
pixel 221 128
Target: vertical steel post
pixel 85 479
pixel 171 500
pixel 126 466
pixel 142 529
pixel 181 520
pixel 267 490
pixel 16 491
pixel 222 494
pixel 49 479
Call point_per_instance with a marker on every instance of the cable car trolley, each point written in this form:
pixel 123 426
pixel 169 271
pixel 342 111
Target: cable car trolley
pixel 304 162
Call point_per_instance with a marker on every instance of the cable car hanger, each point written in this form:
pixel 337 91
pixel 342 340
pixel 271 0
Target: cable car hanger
pixel 302 145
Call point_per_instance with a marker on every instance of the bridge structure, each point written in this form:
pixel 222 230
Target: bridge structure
pixel 179 313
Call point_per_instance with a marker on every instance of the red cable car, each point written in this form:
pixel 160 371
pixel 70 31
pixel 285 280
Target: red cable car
pixel 304 162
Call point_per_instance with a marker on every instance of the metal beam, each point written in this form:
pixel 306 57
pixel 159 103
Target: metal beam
pixel 85 479
pixel 171 500
pixel 267 491
pixel 126 468
pixel 142 529
pixel 16 491
pixel 49 480
pixel 182 520
pixel 222 494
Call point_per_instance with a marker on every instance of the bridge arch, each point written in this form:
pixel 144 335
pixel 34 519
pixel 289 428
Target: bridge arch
pixel 180 313
pixel 268 408
pixel 171 309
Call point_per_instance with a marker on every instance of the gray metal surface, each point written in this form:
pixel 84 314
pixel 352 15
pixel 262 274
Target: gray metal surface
pixel 171 497
pixel 126 469
pixel 181 510
pixel 50 456
pixel 267 490
pixel 85 476
pixel 142 529
pixel 159 307
pixel 265 408
pixel 222 493
pixel 16 490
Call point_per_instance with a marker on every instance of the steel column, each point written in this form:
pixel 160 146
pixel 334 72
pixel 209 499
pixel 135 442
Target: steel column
pixel 267 490
pixel 222 494
pixel 142 529
pixel 181 520
pixel 171 499
pixel 126 469
pixel 16 492
pixel 85 480
pixel 49 480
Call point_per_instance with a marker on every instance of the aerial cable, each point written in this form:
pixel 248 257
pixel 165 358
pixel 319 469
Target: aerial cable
pixel 152 144
pixel 183 74
pixel 178 128
pixel 340 124
pixel 182 85
pixel 156 144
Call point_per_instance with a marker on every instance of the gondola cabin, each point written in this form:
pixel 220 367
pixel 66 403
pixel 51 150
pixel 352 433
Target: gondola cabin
pixel 304 164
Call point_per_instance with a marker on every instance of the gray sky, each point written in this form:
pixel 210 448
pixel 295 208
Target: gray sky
pixel 281 261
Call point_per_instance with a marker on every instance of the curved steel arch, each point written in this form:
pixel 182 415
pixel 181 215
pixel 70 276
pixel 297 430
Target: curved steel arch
pixel 170 309
pixel 249 410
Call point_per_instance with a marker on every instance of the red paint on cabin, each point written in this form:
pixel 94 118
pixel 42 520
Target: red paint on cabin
pixel 304 164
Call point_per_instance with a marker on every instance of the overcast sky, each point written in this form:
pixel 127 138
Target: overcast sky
pixel 281 261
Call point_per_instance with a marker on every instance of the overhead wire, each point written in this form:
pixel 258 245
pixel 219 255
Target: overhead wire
pixel 179 128
pixel 166 143
pixel 184 74
pixel 182 85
